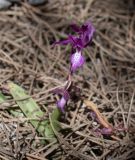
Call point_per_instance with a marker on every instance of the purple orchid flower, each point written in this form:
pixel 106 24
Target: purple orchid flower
pixel 106 131
pixel 83 37
pixel 78 42
pixel 86 32
pixel 63 100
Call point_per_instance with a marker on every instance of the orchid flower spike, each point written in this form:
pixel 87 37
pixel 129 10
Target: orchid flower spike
pixel 78 42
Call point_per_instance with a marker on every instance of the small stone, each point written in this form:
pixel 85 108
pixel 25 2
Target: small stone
pixel 94 123
pixel 36 2
pixel 14 0
pixel 4 4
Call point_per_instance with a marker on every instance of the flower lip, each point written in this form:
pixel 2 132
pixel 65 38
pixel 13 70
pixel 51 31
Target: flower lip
pixel 77 60
pixel 64 98
pixel 61 103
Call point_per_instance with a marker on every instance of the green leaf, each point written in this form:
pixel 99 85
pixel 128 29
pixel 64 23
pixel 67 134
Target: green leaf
pixel 32 111
pixel 54 118
pixel 16 113
pixel 2 98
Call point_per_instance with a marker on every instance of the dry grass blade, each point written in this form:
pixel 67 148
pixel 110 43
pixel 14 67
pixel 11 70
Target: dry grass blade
pixel 94 108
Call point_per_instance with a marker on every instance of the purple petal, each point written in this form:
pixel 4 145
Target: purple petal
pixel 106 131
pixel 87 31
pixel 63 42
pixel 66 95
pixel 77 43
pixel 77 60
pixel 84 28
pixel 61 103
pixel 64 98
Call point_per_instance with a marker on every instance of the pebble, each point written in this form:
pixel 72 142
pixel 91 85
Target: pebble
pixel 14 0
pixel 36 2
pixel 4 4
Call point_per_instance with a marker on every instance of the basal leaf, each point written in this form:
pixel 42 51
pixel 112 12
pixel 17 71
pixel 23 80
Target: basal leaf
pixel 33 112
